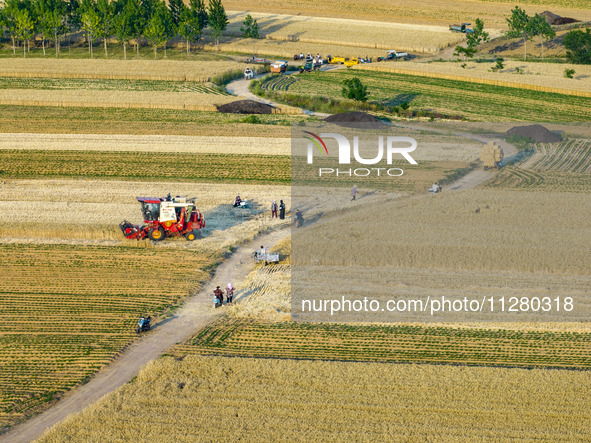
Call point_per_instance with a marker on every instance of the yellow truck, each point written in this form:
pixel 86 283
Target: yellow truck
pixel 336 60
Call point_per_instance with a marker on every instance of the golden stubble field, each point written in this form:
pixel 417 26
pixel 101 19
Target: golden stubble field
pixel 90 211
pixel 200 71
pixel 216 398
pixel 440 12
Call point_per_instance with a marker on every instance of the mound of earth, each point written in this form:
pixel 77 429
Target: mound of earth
pixel 355 119
pixel 246 107
pixel 537 133
pixel 554 19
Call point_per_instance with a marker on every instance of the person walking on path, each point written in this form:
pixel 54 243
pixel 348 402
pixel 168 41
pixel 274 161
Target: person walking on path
pixel 229 293
pixel 281 210
pixel 220 295
pixel 274 209
pixel 354 192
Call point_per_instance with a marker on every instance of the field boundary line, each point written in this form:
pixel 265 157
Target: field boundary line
pixel 462 78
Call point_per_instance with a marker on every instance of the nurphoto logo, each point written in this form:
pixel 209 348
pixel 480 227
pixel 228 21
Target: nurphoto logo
pixel 394 145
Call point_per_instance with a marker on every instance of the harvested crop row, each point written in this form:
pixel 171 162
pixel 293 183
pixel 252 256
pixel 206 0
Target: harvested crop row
pixel 169 70
pixel 147 143
pixel 356 34
pixel 569 156
pixel 478 101
pixel 113 99
pixel 69 310
pixel 397 343
pixel 56 120
pixel 546 77
pixel 268 400
pixel 108 85
pixel 551 181
pixel 146 166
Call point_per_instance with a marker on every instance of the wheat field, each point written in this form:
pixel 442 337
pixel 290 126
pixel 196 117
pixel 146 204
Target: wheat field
pixel 147 143
pixel 114 99
pixel 537 76
pixel 216 398
pixel 439 12
pixel 329 35
pixel 170 70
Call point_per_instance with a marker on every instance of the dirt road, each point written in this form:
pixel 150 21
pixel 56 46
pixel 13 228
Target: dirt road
pixel 193 315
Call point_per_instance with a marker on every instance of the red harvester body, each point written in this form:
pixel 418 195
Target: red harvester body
pixel 165 218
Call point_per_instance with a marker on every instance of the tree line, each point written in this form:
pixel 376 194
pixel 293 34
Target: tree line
pixel 125 20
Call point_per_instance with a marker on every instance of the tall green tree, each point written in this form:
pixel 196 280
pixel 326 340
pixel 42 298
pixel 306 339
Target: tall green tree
pixel 123 23
pixel 155 32
pixel 90 26
pixel 473 40
pixel 578 45
pixel 10 11
pixel 25 27
pixel 520 27
pixel 43 12
pixel 176 7
pixel 218 20
pixel 55 23
pixel 106 17
pixel 540 27
pixel 250 29
pixel 72 19
pixel 189 27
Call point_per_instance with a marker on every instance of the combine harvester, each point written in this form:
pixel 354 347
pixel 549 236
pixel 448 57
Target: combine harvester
pixel 165 217
pixel 463 28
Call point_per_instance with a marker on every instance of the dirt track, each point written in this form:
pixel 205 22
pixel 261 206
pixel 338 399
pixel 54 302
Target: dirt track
pixel 193 315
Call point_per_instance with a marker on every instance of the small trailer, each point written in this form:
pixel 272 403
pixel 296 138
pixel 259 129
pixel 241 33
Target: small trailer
pixel 266 257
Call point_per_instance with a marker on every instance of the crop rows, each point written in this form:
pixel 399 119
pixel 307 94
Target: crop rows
pixel 570 156
pixel 522 179
pixel 16 83
pixel 473 100
pixel 66 311
pixel 410 344
pixel 146 166
pixel 279 83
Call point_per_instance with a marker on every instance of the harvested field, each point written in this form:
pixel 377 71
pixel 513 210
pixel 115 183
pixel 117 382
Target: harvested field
pixel 84 210
pixel 147 166
pixel 55 120
pixel 473 100
pixel 147 143
pixel 114 99
pixel 529 232
pixel 547 77
pixel 569 156
pixel 291 400
pixel 397 343
pixel 67 311
pixel 441 12
pixel 517 178
pixel 108 85
pixel 166 70
pixel 356 34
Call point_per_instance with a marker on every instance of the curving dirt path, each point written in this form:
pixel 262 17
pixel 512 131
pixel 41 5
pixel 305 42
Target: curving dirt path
pixel 196 312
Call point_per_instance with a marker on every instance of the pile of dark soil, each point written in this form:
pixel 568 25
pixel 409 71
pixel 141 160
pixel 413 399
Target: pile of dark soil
pixel 246 107
pixel 536 133
pixel 357 119
pixel 554 20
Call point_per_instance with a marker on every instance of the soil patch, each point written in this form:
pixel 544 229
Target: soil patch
pixel 246 107
pixel 537 133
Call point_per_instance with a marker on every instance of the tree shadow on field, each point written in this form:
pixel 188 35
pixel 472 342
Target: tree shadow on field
pixel 398 100
pixel 224 217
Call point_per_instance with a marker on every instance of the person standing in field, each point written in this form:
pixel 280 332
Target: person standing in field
pixel 354 192
pixel 220 296
pixel 274 209
pixel 229 293
pixel 281 210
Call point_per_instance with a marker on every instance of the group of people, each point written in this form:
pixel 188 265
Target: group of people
pixel 281 208
pixel 218 296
